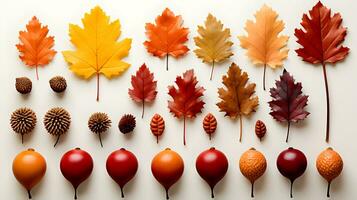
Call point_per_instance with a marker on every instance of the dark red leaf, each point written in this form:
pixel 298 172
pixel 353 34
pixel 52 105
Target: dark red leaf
pixel 186 101
pixel 144 87
pixel 321 39
pixel 288 101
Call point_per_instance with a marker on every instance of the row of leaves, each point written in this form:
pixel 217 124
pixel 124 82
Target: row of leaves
pixel 238 99
pixel 98 52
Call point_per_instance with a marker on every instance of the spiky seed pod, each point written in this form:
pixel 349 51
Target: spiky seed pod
pixel 260 129
pixel 58 84
pixel 23 121
pixel 127 123
pixel 157 126
pixel 23 85
pixel 99 123
pixel 209 124
pixel 57 122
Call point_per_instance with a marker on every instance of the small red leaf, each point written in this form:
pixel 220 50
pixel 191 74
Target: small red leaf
pixel 288 101
pixel 157 126
pixel 260 129
pixel 209 124
pixel 186 101
pixel 144 87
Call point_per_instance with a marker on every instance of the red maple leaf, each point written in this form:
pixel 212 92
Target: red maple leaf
pixel 186 101
pixel 321 43
pixel 144 87
pixel 288 101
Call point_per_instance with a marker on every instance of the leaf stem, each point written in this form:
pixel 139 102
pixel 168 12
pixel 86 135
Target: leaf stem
pixel 212 71
pixel 265 67
pixel 167 62
pixel 97 86
pixel 288 132
pixel 184 130
pixel 327 104
pixel 240 128
pixel 37 72
pixel 143 110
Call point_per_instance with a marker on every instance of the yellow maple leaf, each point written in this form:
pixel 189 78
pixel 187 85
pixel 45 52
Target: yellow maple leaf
pixel 264 44
pixel 212 42
pixel 98 51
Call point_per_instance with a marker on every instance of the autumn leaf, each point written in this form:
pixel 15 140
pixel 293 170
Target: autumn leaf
pixel 288 101
pixel 321 39
pixel 213 42
pixel 238 98
pixel 98 51
pixel 35 46
pixel 167 36
pixel 264 44
pixel 186 98
pixel 144 87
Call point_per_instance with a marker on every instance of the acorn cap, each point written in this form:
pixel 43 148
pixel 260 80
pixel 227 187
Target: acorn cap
pixel 58 84
pixel 127 123
pixel 23 85
pixel 23 121
pixel 57 122
pixel 99 122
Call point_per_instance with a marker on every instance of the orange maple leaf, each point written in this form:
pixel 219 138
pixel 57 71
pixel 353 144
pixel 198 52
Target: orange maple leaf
pixel 167 37
pixel 35 46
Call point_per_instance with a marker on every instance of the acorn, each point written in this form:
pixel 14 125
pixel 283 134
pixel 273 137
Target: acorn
pixel 57 122
pixel 329 164
pixel 58 84
pixel 23 121
pixel 127 123
pixel 23 85
pixel 99 123
pixel 252 165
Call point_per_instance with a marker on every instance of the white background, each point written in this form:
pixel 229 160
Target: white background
pixel 79 100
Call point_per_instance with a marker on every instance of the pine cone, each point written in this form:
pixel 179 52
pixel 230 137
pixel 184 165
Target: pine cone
pixel 157 126
pixel 99 123
pixel 23 121
pixel 127 123
pixel 23 85
pixel 58 84
pixel 57 122
pixel 260 129
pixel 209 124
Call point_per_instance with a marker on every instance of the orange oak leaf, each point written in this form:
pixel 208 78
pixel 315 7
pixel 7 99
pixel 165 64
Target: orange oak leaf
pixel 238 99
pixel 321 39
pixel 144 87
pixel 35 46
pixel 186 99
pixel 167 36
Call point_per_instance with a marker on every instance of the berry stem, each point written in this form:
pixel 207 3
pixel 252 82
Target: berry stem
pixel 29 194
pixel 212 193
pixel 328 189
pixel 122 192
pixel 22 138
pixel 100 139
pixel 167 194
pixel 58 137
pixel 75 193
pixel 252 191
pixel 291 188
